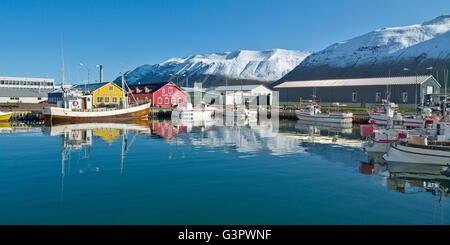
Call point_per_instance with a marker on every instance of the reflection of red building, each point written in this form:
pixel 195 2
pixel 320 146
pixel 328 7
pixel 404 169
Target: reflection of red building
pixel 159 94
pixel 166 129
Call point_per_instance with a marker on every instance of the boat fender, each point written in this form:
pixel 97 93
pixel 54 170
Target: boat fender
pixel 446 171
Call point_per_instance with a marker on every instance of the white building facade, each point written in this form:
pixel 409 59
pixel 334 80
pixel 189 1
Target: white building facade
pixel 25 89
pixel 245 93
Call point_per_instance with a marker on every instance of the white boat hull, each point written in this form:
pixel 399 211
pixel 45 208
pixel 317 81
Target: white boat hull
pixel 63 114
pixel 194 115
pixel 330 118
pixel 407 154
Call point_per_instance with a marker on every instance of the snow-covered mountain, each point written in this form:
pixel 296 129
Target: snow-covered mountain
pixel 251 66
pixel 380 52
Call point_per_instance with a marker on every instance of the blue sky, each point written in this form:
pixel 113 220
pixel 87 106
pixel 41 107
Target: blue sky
pixel 109 32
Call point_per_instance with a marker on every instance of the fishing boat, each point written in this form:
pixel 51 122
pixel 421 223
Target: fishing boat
pixel 432 147
pixel 313 113
pixel 378 139
pixel 5 116
pixel 77 107
pixel 386 111
pixel 201 112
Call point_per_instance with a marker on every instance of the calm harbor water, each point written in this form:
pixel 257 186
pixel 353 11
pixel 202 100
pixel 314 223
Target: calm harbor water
pixel 162 172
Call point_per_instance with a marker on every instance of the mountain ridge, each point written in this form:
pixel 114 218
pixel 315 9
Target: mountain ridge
pixel 247 65
pixel 382 52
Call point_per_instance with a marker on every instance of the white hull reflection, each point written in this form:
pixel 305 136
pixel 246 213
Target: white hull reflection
pixel 140 127
pixel 331 127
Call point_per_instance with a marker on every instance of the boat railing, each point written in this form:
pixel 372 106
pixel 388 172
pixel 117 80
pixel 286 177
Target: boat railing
pixel 430 146
pixel 102 109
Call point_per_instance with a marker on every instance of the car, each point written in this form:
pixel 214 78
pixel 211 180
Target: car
pixel 44 102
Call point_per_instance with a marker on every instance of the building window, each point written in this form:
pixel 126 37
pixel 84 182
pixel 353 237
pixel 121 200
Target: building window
pixel 111 88
pixel 99 100
pixel 39 98
pixel 430 90
pixel 405 97
pixel 166 100
pixel 170 90
pixel 114 100
pixel 354 96
pixel 164 91
pixel 159 100
pixel 106 100
pixel 378 96
pixel 174 100
pixel 180 101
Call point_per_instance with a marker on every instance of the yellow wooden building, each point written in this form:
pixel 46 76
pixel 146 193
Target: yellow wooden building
pixel 103 94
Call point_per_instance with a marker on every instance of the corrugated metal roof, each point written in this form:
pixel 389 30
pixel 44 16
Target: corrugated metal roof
pixel 23 92
pixel 238 87
pixel 91 87
pixel 356 82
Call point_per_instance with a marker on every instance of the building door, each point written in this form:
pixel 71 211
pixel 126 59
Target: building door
pixel 83 103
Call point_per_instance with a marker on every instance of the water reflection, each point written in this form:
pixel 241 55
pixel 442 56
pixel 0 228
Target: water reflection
pixel 407 178
pixel 147 158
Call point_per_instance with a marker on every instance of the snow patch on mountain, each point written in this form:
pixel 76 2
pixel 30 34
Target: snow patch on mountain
pixel 268 65
pixel 387 44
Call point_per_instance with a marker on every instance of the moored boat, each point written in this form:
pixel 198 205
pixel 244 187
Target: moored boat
pixel 97 114
pixel 5 116
pixel 77 106
pixel 188 112
pixel 432 149
pixel 313 113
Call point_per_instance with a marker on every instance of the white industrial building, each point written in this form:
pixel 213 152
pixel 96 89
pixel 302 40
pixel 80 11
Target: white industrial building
pixel 25 89
pixel 239 94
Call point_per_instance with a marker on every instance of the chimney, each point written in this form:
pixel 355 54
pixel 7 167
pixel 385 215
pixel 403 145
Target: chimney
pixel 101 73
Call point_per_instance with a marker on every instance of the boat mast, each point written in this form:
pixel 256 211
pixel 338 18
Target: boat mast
pixel 123 91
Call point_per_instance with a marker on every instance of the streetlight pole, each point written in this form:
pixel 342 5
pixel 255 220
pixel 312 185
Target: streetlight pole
pixel 87 68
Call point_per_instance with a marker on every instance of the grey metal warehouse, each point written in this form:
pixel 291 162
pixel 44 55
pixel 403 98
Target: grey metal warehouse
pixel 360 92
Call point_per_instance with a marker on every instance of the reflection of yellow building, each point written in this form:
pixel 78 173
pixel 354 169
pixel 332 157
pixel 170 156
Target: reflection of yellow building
pixel 107 93
pixel 108 135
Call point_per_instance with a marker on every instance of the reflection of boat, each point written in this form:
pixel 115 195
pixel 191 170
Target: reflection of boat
pixel 417 171
pixel 5 116
pixel 240 112
pixel 331 127
pixel 201 112
pixel 100 128
pixel 5 127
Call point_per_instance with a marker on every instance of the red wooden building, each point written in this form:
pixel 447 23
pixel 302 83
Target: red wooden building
pixel 159 94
